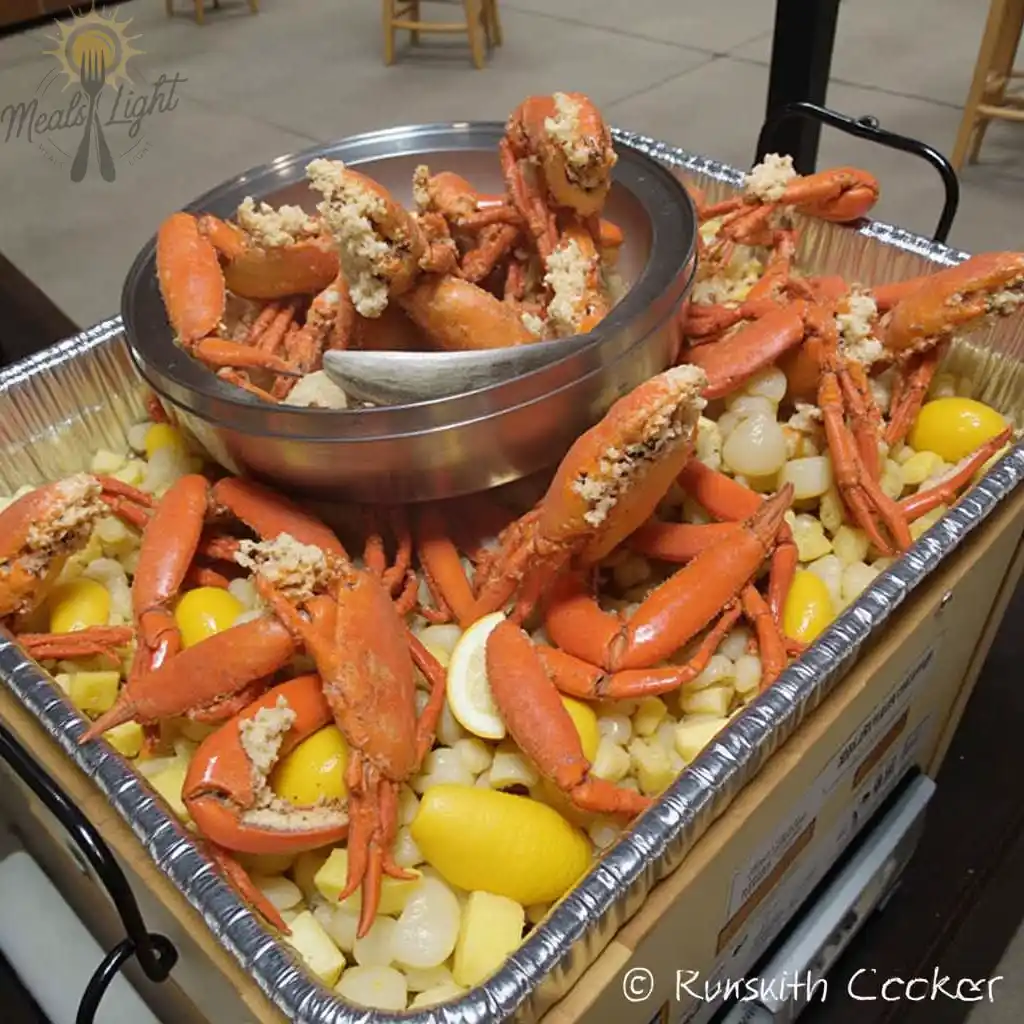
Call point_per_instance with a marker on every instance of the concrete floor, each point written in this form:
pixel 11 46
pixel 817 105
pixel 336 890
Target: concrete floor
pixel 303 72
pixel 311 70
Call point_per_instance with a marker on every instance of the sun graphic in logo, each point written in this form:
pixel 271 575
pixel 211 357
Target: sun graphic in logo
pixel 95 39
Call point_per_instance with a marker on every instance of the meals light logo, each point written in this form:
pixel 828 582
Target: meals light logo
pixel 89 114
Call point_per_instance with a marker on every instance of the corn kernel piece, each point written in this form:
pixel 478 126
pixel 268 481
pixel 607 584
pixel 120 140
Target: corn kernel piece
pixel 94 692
pixel 126 738
pixel 611 761
pixel 850 544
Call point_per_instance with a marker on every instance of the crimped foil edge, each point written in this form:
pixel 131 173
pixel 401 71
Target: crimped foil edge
pixel 558 951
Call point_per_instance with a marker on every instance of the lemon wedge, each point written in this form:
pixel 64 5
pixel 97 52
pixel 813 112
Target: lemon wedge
pixel 954 427
pixel 469 692
pixel 480 839
pixel 808 609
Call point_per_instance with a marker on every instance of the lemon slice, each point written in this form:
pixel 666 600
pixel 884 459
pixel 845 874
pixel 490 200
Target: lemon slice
pixel 469 692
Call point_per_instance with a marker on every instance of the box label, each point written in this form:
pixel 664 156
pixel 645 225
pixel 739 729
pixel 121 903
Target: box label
pixel 767 890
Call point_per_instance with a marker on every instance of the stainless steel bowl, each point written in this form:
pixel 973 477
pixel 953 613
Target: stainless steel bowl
pixel 450 446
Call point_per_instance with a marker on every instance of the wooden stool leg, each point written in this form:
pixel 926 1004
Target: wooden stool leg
pixel 388 8
pixel 473 29
pixel 254 6
pixel 989 42
pixel 414 14
pixel 495 20
pixel 169 7
pixel 999 70
pixel 199 12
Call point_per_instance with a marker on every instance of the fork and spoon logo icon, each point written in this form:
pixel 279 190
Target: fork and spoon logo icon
pixel 92 75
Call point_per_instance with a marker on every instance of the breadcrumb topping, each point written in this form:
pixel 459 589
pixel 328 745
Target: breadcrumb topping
pixel 569 270
pixel 534 324
pixel 296 569
pixel 272 228
pixel 349 211
pixel 421 188
pixel 262 735
pixel 69 519
pixel 768 180
pixel 317 391
pixel 671 422
pixel 585 155
pixel 856 326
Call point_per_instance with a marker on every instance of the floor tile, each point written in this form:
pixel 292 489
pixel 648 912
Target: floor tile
pixel 95 228
pixel 714 27
pixel 923 48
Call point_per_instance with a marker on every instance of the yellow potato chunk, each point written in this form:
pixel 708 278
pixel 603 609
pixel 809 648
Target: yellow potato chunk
pixel 693 736
pixel 169 782
pixel 492 927
pixel 125 738
pixel 94 692
pixel 314 945
pixel 330 881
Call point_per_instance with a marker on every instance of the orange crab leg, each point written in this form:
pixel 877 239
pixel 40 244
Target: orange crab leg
pixel 542 728
pixel 220 352
pixel 191 281
pixel 83 643
pixel 219 784
pixel 868 504
pixel 733 360
pixel 841 194
pixel 943 492
pixel 771 644
pixel 202 675
pixel 674 612
pixel 269 514
pixel 864 415
pixel 724 498
pixel 442 567
pixel 908 395
pixel 219 791
pixel 587 682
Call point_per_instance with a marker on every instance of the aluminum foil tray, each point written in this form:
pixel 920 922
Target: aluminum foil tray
pixel 58 407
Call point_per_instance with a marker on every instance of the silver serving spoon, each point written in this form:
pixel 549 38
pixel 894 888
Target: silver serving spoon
pixel 398 378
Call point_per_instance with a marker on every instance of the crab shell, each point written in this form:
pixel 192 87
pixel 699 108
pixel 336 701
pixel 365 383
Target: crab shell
pixel 953 298
pixel 37 534
pixel 614 475
pixel 348 192
pixel 577 169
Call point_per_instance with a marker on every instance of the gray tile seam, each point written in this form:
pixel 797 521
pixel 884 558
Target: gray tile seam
pixel 657 85
pixel 640 37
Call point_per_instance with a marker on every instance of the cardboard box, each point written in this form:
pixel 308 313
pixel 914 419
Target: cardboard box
pixel 714 917
pixel 710 920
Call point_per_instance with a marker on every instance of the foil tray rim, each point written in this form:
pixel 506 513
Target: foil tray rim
pixel 636 861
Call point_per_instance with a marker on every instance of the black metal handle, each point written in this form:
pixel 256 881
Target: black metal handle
pixel 867 128
pixel 156 953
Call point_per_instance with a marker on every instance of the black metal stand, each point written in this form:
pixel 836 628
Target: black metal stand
pixel 773 135
pixel 156 953
pixel 805 33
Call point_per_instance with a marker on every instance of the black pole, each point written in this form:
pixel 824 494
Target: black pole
pixel 805 33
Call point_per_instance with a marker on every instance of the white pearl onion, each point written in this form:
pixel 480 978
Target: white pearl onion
pixel 756 447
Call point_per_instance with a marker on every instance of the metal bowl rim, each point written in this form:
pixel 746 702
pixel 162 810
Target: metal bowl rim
pixel 192 378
